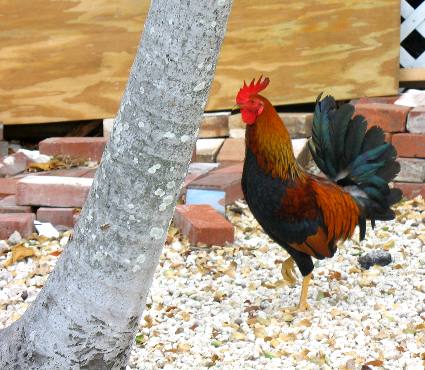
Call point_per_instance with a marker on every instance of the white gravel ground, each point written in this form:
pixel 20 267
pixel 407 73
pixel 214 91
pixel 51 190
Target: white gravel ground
pixel 222 307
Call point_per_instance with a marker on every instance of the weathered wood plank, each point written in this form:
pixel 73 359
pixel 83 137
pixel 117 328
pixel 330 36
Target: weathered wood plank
pixel 412 74
pixel 69 59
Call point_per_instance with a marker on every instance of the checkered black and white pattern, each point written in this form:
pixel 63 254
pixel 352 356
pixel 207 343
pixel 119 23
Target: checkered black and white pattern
pixel 412 34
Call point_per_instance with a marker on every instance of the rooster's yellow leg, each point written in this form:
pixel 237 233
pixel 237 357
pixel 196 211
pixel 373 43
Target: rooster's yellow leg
pixel 288 271
pixel 303 305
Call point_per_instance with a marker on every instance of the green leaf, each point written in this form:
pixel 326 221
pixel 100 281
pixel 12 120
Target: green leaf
pixel 320 295
pixel 268 355
pixel 140 339
pixel 409 331
pixel 216 343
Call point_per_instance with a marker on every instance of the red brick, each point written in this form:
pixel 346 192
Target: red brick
pixel 227 179
pixel 392 118
pixel 53 191
pixel 90 173
pixel 203 224
pixel 8 184
pixel 230 168
pixel 57 216
pixel 416 120
pixel 375 100
pixel 298 124
pixel 71 172
pixel 8 205
pixel 13 164
pixel 410 189
pixel 22 222
pixel 197 170
pixel 232 150
pixel 409 145
pixel 214 125
pixel 84 147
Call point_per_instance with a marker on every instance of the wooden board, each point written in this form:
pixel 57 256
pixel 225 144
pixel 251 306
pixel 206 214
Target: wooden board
pixel 412 74
pixel 64 60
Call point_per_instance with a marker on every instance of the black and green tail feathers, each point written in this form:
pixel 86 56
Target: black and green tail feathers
pixel 355 158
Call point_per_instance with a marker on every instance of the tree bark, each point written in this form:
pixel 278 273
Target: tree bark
pixel 87 314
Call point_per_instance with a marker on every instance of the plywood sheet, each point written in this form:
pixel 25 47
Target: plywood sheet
pixel 64 60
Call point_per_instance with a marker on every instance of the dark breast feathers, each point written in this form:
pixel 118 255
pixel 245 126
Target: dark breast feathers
pixel 286 213
pixel 306 217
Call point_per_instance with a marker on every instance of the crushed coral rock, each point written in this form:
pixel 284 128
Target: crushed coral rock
pixel 222 307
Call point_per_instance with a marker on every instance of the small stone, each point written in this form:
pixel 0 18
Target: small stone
pixel 64 241
pixel 13 164
pixel 375 257
pixel 15 238
pixel 35 156
pixel 264 305
pixel 4 247
pixel 24 295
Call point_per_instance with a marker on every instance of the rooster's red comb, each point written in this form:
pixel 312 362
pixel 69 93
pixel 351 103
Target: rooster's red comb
pixel 253 88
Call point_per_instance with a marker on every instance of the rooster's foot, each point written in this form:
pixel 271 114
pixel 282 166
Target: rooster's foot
pixel 288 271
pixel 303 305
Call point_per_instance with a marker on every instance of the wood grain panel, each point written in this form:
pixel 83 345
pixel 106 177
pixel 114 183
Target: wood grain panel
pixel 64 60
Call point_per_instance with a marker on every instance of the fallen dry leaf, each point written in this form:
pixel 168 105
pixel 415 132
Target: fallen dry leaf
pixel 36 167
pixel 303 354
pixel 213 361
pixel 19 252
pixel 334 275
pixel 273 285
pixel 219 296
pixel 194 326
pixel 179 330
pixel 149 321
pixel 290 337
pixel 260 331
pixel 185 315
pixel 304 322
pixel 374 363
pixel 251 309
pixel 287 317
pixel 183 347
pixel 231 269
pixel 171 235
pixel 237 335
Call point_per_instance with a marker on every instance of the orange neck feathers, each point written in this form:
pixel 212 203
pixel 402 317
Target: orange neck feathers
pixel 271 144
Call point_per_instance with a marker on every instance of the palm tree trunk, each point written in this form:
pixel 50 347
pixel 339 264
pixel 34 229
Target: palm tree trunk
pixel 87 314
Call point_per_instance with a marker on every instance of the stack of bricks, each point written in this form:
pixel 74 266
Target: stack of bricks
pixel 51 196
pixel 222 141
pixel 405 128
pixel 214 176
pixel 48 197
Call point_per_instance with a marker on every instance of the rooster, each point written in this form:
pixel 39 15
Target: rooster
pixel 305 214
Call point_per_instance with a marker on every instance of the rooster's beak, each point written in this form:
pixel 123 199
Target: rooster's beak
pixel 236 107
